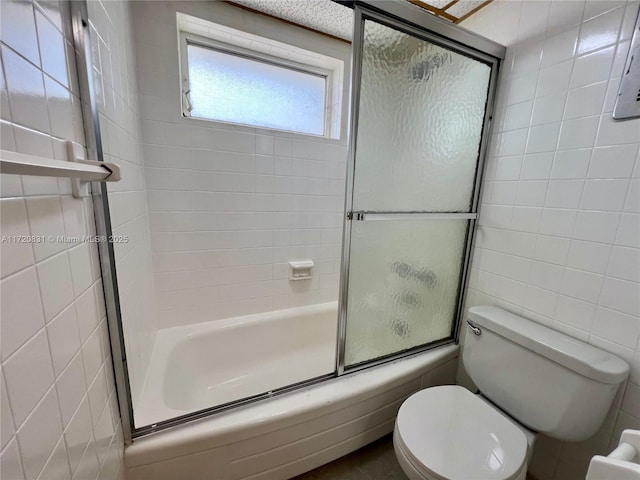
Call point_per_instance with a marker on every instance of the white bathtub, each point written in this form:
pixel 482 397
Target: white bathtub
pixel 194 367
pixel 198 366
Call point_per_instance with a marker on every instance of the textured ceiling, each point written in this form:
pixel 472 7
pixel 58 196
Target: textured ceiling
pixel 332 18
pixel 322 15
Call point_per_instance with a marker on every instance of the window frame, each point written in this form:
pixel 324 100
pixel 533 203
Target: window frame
pixel 187 38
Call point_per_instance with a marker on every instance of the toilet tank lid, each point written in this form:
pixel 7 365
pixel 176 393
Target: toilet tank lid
pixel 573 354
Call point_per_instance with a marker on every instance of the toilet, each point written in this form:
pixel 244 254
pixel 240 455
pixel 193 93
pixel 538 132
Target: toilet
pixel 532 379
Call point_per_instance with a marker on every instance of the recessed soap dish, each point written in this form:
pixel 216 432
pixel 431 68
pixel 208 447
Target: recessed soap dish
pixel 301 270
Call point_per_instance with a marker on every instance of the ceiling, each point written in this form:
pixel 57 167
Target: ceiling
pixel 336 20
pixel 322 15
pixel 452 10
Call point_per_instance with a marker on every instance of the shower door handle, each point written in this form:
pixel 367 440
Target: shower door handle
pixel 378 216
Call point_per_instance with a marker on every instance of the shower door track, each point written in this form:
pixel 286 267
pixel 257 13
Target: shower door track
pixel 397 13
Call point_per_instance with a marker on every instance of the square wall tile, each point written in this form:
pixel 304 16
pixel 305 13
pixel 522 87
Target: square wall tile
pixel 580 133
pixel 32 361
pixel 64 339
pixel 622 296
pixel 613 162
pixel 25 85
pixel 548 109
pixel 17 254
pixel 589 256
pixel 552 249
pixel 78 434
pixel 56 286
pixel 600 31
pixel 571 164
pixel 617 327
pixel 592 68
pixel 585 101
pixel 19 29
pixel 554 79
pixel 628 233
pixel 10 464
pixel 58 464
pixel 531 193
pixel 560 47
pixel 596 226
pixel 46 221
pixel 564 193
pixel 71 387
pixel 8 428
pixel 608 195
pixel 21 310
pixel 558 222
pixel 52 49
pixel 581 285
pixel 624 264
pixel 577 313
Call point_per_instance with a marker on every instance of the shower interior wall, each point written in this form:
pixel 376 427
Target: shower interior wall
pixel 231 205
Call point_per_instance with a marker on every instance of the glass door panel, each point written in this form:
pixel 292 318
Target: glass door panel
pixel 420 115
pixel 420 121
pixel 403 288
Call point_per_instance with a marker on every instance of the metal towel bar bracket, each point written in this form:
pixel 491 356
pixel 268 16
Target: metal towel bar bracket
pixel 79 170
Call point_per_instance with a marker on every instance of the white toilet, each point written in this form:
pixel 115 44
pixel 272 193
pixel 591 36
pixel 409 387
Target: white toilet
pixel 532 380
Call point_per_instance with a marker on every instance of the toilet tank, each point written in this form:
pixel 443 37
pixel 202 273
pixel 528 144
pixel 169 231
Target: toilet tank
pixel 548 381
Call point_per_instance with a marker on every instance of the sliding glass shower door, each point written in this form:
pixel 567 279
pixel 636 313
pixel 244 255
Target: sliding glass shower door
pixel 419 118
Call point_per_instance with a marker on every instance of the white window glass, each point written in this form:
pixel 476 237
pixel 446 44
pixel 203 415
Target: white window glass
pixel 237 89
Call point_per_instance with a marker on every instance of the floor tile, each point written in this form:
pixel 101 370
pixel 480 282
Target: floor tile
pixel 375 461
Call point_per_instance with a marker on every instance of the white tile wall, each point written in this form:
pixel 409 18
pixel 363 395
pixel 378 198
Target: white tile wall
pixel 559 237
pixel 58 405
pixel 115 65
pixel 230 206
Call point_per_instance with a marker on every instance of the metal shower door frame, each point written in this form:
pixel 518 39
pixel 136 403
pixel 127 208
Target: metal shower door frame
pixel 412 20
pixel 93 138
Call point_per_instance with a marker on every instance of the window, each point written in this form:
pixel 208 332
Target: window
pixel 237 77
pixel 233 88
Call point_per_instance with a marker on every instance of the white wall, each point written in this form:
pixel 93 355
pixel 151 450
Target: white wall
pixel 559 233
pixel 114 63
pixel 58 405
pixel 230 206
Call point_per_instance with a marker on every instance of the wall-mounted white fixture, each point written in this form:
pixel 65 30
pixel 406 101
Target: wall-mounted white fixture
pixel 301 270
pixel 628 99
pixel 622 463
pixel 79 170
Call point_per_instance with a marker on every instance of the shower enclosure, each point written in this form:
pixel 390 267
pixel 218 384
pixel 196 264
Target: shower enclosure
pixel 203 310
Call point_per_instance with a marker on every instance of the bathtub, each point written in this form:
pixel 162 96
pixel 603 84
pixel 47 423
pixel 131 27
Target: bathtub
pixel 197 366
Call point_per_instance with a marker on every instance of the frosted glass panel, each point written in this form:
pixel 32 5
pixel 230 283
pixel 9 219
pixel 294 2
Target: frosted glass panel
pixel 236 89
pixel 403 285
pixel 419 125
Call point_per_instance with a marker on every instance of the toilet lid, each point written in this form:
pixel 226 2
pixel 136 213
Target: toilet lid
pixel 450 433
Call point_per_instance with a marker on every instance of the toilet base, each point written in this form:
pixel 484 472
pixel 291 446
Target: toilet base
pixel 406 465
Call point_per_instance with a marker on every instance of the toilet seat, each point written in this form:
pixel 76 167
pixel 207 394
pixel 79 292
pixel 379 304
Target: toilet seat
pixel 447 433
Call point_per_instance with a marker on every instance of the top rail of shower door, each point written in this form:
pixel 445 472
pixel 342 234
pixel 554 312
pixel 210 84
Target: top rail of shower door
pixel 377 216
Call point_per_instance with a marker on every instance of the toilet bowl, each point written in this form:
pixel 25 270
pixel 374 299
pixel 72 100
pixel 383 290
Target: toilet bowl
pixel 466 439
pixel 531 379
